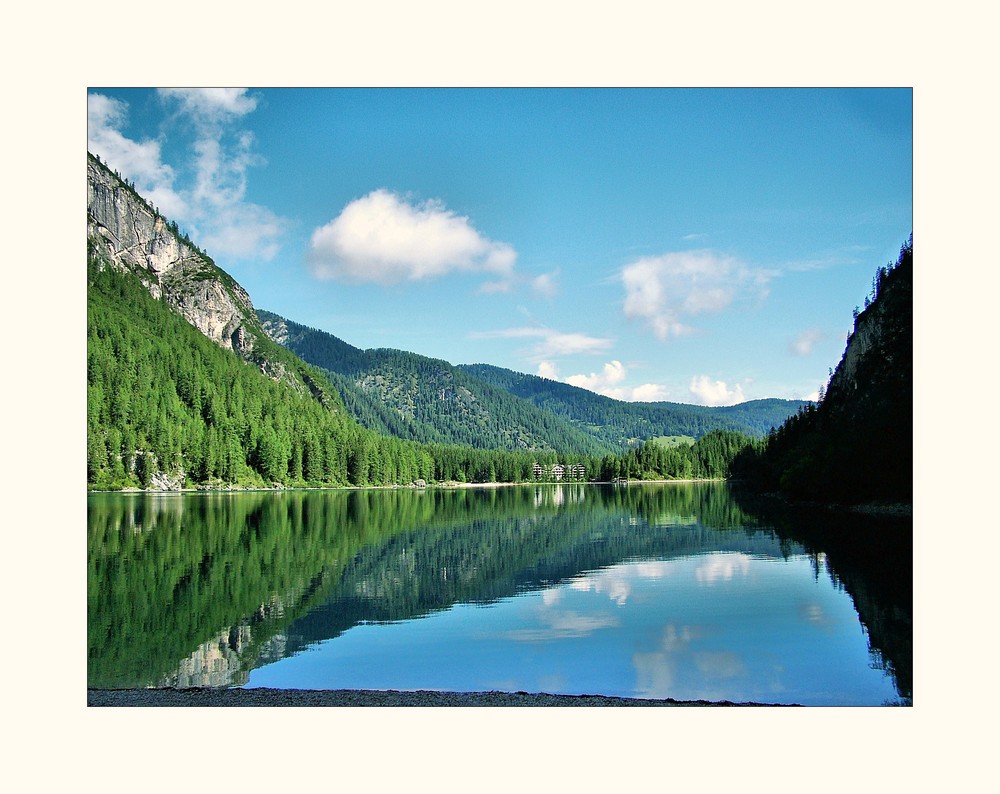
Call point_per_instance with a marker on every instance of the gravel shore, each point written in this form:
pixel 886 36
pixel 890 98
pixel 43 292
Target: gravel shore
pixel 363 697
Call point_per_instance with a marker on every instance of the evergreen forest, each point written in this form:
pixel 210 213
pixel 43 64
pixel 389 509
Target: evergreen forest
pixel 166 407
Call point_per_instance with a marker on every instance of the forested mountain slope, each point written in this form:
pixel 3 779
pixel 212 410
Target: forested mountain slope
pixel 856 445
pixel 184 388
pixel 622 423
pixel 425 399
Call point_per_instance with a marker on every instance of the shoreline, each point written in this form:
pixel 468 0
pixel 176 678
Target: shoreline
pixel 450 485
pixel 362 698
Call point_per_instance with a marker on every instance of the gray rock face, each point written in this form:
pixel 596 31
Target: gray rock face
pixel 130 234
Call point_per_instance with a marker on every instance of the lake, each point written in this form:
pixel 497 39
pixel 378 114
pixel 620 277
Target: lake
pixel 691 591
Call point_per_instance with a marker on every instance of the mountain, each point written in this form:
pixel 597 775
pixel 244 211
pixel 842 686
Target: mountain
pixel 185 389
pixel 411 396
pixel 426 399
pixel 856 445
pixel 623 423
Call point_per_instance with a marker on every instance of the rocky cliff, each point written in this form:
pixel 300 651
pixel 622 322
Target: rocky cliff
pixel 855 445
pixel 878 360
pixel 126 231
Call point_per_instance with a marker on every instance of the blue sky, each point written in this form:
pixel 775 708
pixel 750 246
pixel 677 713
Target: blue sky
pixel 702 246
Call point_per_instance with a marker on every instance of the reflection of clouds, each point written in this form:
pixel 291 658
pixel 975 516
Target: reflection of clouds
pixel 720 664
pixel 654 674
pixel 619 591
pixel 678 665
pixel 581 584
pixel 563 625
pixel 551 596
pixel 722 567
pixel 816 615
pixel 675 639
pixel 613 581
pixel 653 569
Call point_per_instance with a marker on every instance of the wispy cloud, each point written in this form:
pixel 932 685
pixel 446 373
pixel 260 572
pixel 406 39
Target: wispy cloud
pixel 550 343
pixel 803 343
pixel 665 291
pixel 214 209
pixel 715 392
pixel 139 161
pixel 545 285
pixel 387 238
pixel 211 106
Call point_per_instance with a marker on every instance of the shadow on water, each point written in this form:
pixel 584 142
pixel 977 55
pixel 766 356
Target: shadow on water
pixel 199 589
pixel 870 557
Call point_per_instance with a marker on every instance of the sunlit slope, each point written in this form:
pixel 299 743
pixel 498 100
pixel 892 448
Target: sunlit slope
pixel 425 399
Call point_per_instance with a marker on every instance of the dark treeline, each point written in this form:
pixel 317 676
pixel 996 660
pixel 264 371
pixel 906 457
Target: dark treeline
pixel 856 444
pixel 164 403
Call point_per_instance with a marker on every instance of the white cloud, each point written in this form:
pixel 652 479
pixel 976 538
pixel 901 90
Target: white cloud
pixel 649 393
pixel 551 343
pixel 803 344
pixel 138 161
pixel 709 392
pixel 211 105
pixel 386 239
pixel 545 284
pixel 547 369
pixel 609 383
pixel 613 373
pixel 665 290
pixel 214 210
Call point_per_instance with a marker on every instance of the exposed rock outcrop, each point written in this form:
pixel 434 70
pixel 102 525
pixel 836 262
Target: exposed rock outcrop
pixel 132 236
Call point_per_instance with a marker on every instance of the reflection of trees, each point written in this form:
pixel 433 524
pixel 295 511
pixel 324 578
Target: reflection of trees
pixel 231 579
pixel 512 550
pixel 871 558
pixel 203 575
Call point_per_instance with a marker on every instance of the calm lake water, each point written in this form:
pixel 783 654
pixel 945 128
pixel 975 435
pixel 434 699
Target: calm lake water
pixel 686 591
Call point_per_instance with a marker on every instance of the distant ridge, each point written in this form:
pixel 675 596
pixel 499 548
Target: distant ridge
pixel 425 399
pixel 624 423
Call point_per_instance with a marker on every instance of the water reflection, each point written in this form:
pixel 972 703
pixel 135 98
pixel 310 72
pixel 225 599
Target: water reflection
pixel 202 589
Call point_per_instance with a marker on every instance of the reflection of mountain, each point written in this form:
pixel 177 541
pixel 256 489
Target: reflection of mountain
pixel 189 589
pixel 197 590
pixel 423 571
